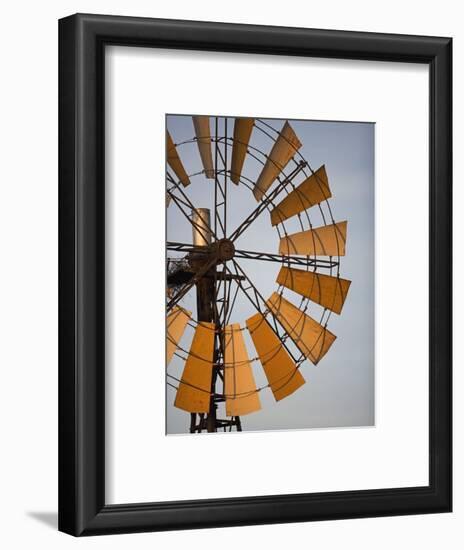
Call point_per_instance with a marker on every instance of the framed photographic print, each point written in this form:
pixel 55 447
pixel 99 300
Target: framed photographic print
pixel 255 274
pixel 266 272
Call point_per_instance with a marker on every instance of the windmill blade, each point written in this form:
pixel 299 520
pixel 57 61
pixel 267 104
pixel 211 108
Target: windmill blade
pixel 311 338
pixel 193 393
pixel 238 377
pixel 328 240
pixel 175 326
pixel 281 372
pixel 325 290
pixel 242 132
pixel 203 134
pixel 172 156
pixel 283 150
pixel 311 191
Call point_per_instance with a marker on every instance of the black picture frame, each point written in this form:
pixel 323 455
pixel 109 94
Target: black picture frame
pixel 82 508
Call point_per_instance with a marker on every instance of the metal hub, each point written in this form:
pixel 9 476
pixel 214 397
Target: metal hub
pixel 225 250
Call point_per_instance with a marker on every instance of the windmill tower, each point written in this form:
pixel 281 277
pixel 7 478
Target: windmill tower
pixel 218 367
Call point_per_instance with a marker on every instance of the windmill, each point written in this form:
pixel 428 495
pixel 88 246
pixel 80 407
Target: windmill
pixel 218 366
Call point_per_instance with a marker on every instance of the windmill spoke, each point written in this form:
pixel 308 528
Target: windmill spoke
pixel 303 261
pixel 184 247
pixel 231 304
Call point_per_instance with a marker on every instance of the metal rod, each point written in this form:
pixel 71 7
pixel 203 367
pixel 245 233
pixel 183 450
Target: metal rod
pixel 303 261
pixel 292 260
